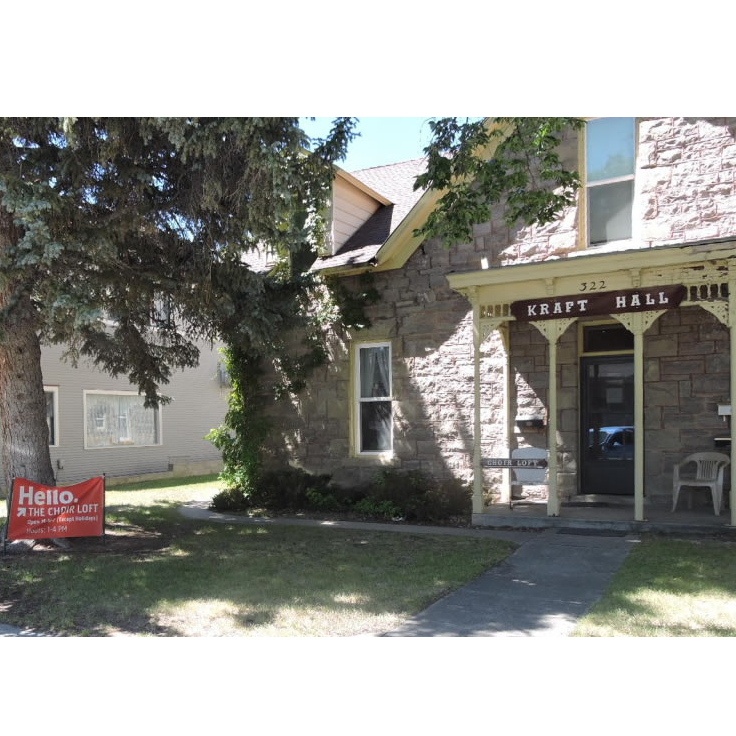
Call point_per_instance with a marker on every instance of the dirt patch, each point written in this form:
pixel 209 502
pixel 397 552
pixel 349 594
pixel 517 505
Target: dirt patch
pixel 119 539
pixel 454 521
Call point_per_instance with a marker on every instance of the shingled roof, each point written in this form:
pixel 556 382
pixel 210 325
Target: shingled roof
pixel 395 182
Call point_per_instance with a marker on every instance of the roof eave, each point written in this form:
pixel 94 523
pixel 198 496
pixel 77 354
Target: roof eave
pixel 401 244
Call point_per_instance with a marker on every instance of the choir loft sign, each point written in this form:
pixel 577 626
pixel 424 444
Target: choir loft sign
pixel 604 302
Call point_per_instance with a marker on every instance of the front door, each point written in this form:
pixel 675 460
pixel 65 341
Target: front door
pixel 607 432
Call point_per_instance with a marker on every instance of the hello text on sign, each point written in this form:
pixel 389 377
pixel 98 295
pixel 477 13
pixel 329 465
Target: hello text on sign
pixel 605 302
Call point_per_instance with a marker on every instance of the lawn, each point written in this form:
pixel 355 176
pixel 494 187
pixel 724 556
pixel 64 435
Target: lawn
pixel 160 574
pixel 669 588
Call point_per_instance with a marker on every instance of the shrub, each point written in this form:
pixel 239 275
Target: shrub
pixel 419 497
pixel 381 509
pixel 404 489
pixel 410 494
pixel 318 501
pixel 231 499
pixel 287 488
pixel 450 497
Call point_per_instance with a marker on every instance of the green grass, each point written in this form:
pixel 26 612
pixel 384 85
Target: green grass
pixel 161 574
pixel 669 588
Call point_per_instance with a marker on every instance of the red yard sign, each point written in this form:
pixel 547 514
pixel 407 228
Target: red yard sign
pixel 46 512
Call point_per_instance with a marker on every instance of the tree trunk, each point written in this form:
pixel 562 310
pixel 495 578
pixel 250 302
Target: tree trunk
pixel 24 434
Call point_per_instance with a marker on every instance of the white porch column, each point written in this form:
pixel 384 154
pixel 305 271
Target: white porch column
pixel 508 387
pixel 638 323
pixel 482 329
pixel 477 470
pixel 553 500
pixel 639 425
pixel 552 330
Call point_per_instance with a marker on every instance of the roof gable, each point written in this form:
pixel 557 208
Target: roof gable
pixel 395 184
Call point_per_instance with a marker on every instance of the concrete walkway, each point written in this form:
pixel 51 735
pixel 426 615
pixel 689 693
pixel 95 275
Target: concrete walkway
pixel 542 589
pixel 201 512
pixel 15 631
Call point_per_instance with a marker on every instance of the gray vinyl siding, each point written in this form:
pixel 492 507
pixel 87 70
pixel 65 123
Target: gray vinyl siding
pixel 199 404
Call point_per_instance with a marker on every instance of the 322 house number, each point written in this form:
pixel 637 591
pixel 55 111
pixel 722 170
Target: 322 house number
pixel 592 285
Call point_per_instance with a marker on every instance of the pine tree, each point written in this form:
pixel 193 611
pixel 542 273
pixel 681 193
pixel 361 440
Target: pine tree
pixel 124 239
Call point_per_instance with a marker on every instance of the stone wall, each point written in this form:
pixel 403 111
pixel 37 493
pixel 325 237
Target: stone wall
pixel 430 330
pixel 685 186
pixel 686 375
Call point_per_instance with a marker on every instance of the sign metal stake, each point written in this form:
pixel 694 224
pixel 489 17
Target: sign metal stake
pixel 9 502
pixel 104 506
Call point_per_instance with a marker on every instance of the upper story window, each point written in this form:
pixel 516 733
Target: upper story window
pixel 609 180
pixel 374 414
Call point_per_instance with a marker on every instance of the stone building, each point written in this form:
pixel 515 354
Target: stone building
pixel 603 337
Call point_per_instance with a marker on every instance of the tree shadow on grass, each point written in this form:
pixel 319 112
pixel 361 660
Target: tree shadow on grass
pixel 197 578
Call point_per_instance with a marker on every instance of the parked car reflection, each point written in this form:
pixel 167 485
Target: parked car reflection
pixel 611 443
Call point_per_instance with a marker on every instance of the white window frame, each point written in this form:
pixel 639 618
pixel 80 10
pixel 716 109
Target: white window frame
pixel 86 392
pixel 611 244
pixel 357 400
pixel 55 391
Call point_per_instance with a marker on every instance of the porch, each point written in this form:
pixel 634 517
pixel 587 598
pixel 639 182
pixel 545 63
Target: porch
pixel 633 289
pixel 603 513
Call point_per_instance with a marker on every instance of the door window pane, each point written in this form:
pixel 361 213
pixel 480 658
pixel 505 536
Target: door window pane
pixel 607 438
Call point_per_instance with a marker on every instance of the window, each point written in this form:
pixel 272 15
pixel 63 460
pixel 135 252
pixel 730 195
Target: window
pixel 52 413
pixel 119 419
pixel 373 388
pixel 609 156
pixel 606 338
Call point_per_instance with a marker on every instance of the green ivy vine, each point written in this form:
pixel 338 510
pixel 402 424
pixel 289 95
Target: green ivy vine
pixel 316 306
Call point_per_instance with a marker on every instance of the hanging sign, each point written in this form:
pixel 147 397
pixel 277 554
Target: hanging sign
pixel 47 512
pixel 513 462
pixel 603 302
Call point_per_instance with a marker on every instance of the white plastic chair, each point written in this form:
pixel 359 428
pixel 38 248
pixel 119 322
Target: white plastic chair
pixel 708 474
pixel 527 476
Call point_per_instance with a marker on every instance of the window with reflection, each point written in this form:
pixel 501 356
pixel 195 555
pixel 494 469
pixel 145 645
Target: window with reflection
pixel 609 179
pixel 374 402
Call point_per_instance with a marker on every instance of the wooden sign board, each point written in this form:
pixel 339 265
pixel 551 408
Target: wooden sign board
pixel 512 462
pixel 37 511
pixel 602 302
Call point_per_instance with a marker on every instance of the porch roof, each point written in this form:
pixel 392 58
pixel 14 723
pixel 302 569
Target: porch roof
pixel 585 261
